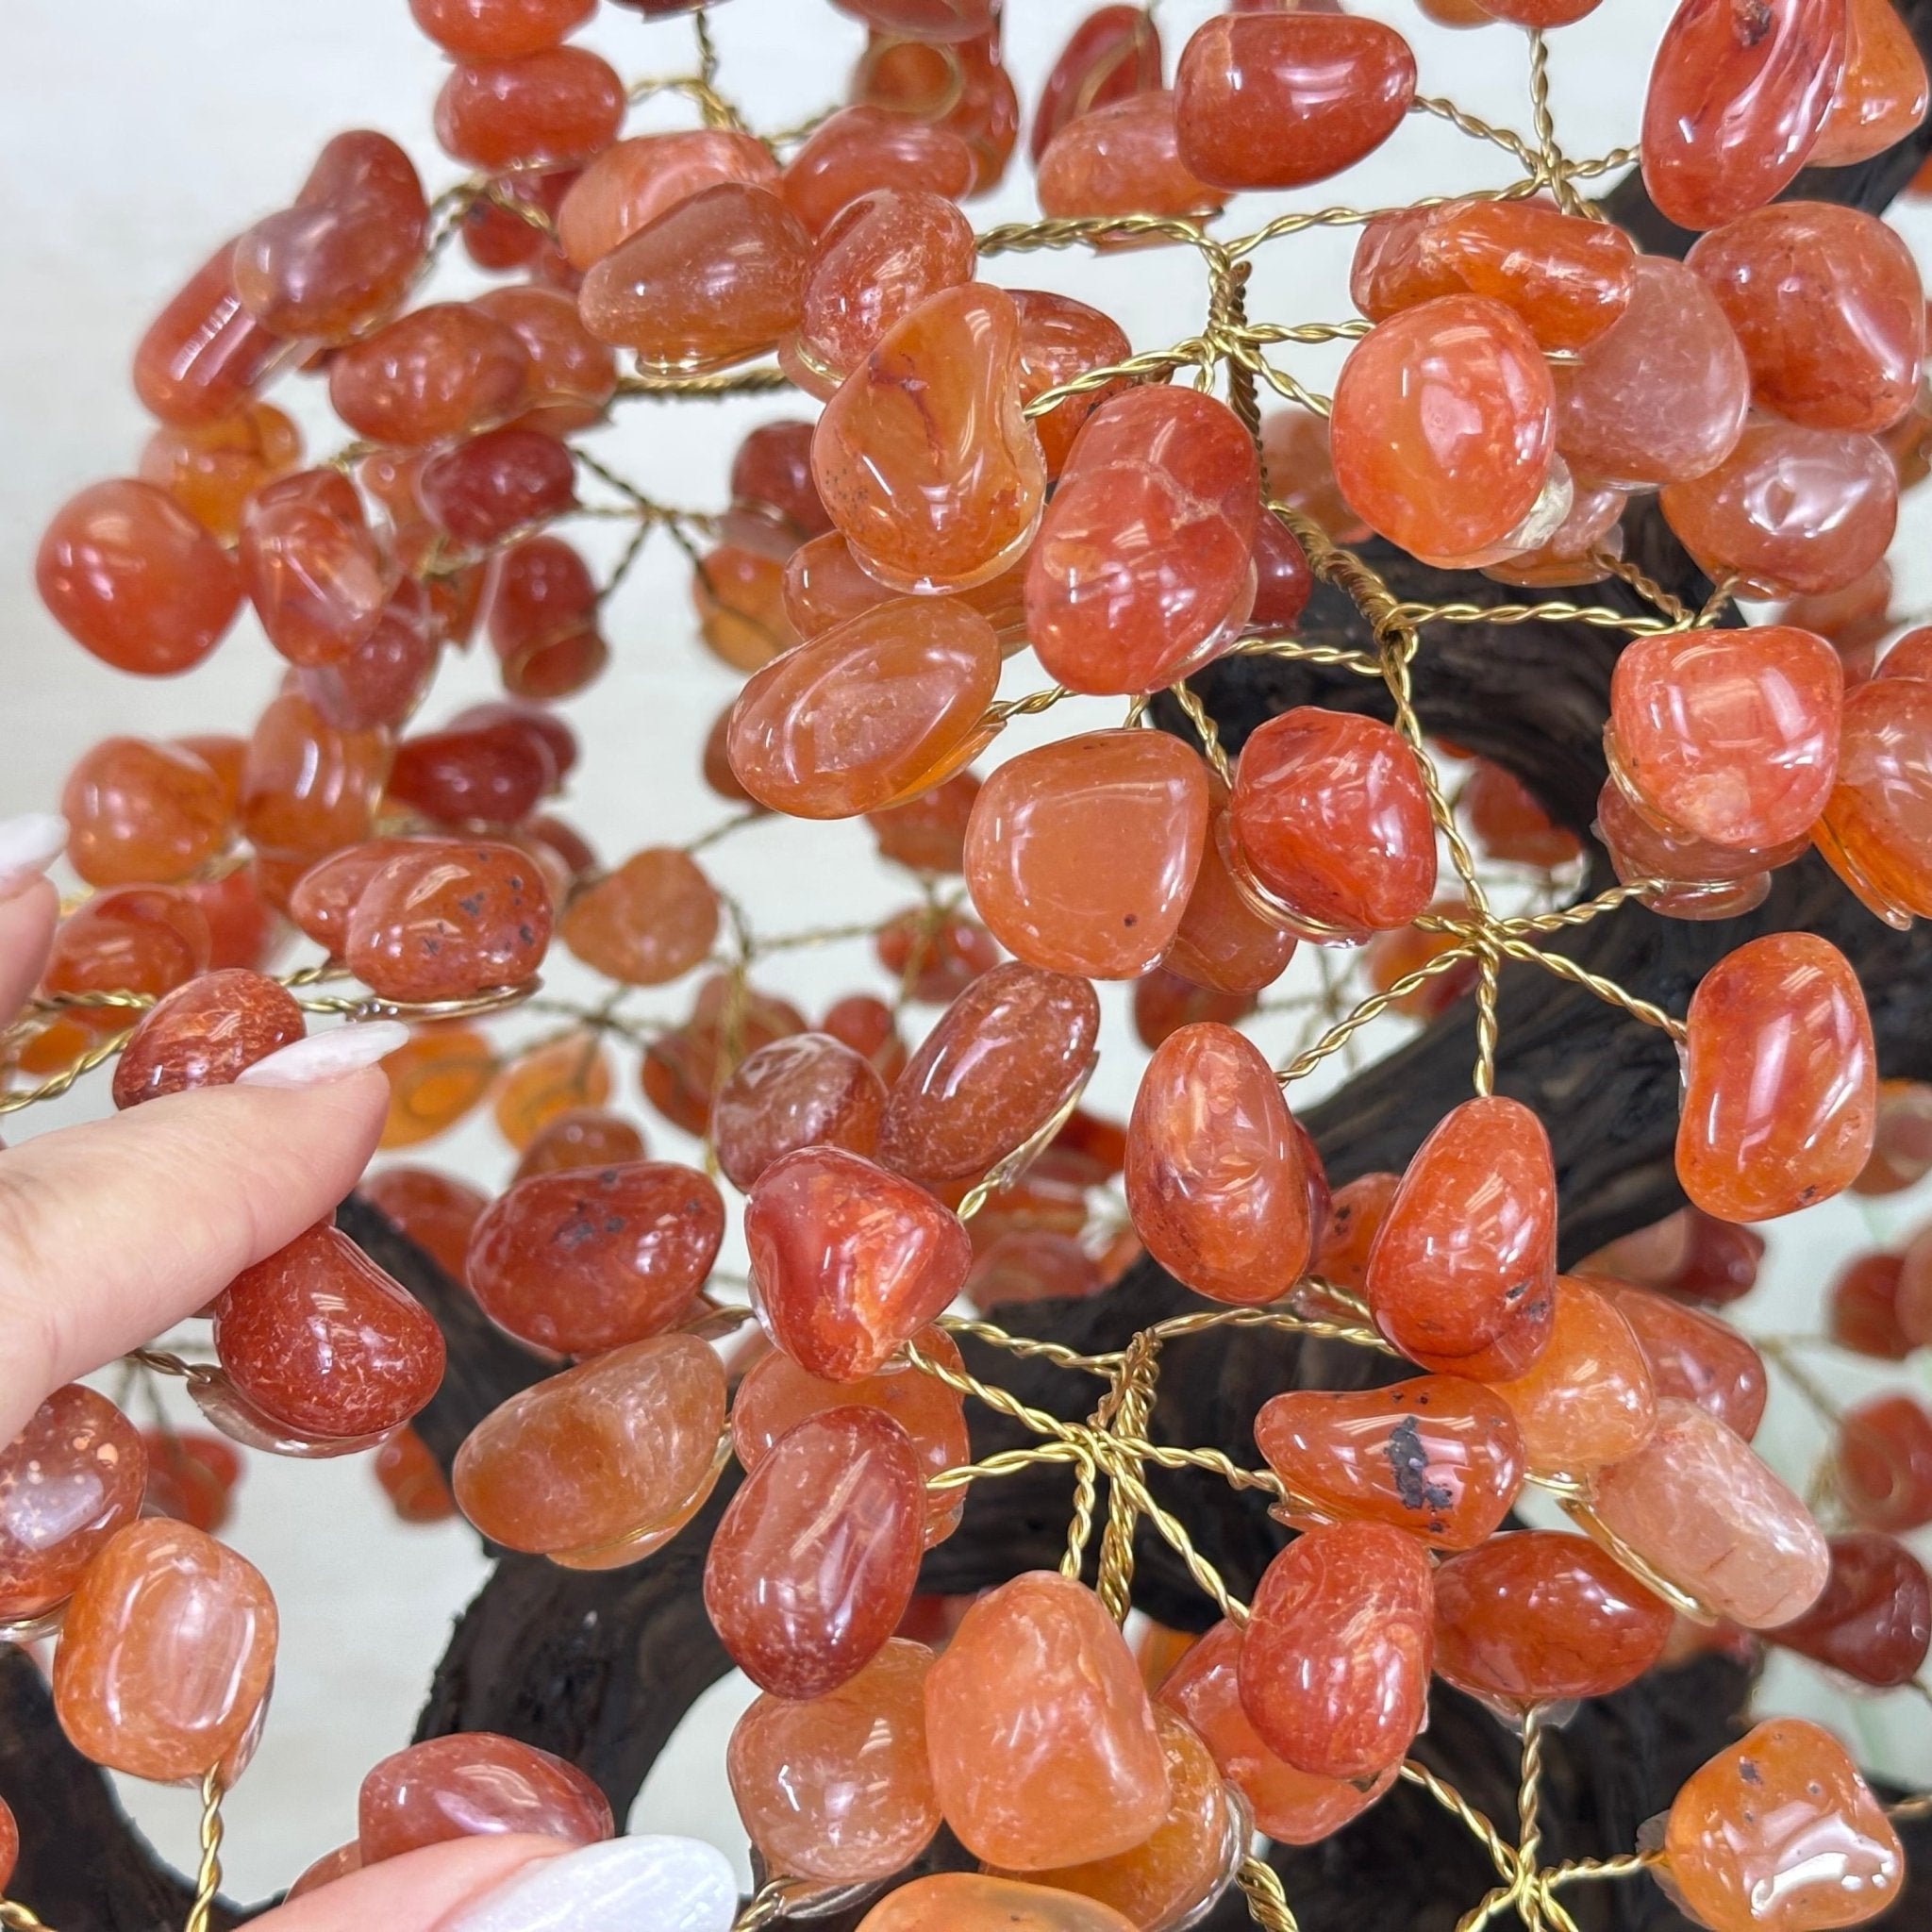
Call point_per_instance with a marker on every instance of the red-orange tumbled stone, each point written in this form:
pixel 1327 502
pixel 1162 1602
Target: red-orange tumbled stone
pixel 1443 426
pixel 1695 1358
pixel 1439 1456
pixel 1355 1219
pixel 141 812
pixel 928 832
pixel 1461 1275
pixel 1881 94
pixel 204 353
pixel 860 148
pixel 1123 159
pixel 1223 942
pixel 570 374
pixel 810 1091
pixel 1040 820
pixel 1876 830
pixel 1873 1622
pixel 1883 1462
pixel 1061 339
pixel 650 920
pixel 1780 1084
pixel 444 920
pixel 1588 1399
pixel 1043 1745
pixel 578 1137
pixel 203 1034
pixel 470 1784
pixel 130 938
pixel 209 469
pixel 1143 568
pixel 1334 1660
pixel 555 104
pixel 438 372
pixel 1508 821
pixel 435 1211
pixel 633 182
pixel 965 1902
pixel 67 1481
pixel 1113 53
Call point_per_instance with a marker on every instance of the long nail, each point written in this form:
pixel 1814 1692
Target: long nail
pixel 628 1884
pixel 28 845
pixel 324 1056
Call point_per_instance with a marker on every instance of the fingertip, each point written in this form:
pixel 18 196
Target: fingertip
pixel 28 919
pixel 416 1891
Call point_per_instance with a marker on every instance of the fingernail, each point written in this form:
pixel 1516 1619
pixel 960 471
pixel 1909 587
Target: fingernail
pixel 28 845
pixel 666 1884
pixel 321 1058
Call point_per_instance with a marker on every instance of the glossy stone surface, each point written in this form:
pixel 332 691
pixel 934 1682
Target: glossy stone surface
pixel 1214 1177
pixel 1141 570
pixel 472 1783
pixel 1039 821
pixel 1437 1455
pixel 1442 426
pixel 1276 100
pixel 849 1260
pixel 1780 1834
pixel 1124 158
pixel 1882 92
pixel 309 787
pixel 634 181
pixel 1875 831
pixel 322 1341
pixel 1355 1218
pixel 998 1065
pixel 542 619
pixel 1589 1399
pixel 1861 1308
pixel 1223 942
pixel 166 1654
pixel 964 1902
pixel 935 955
pixel 558 103
pixel 1113 53
pixel 1538 1616
pixel 860 148
pixel 805 1092
pixel 1716 881
pixel 435 1077
pixel 139 811
pixel 1883 1462
pixel 837 1787
pixel 581 1137
pixel 593 1257
pixel 211 469
pixel 1061 339
pixel 204 353
pixel 1335 1661
pixel 438 370
pixel 1662 394
pixel 68 1482
pixel 1043 1741
pixel 1695 1358
pixel 928 832
pixel 683 1069
pixel 615 1446
pixel 1708 1516
pixel 444 920
pixel 204 1033
pixel 497 482
pixel 1874 1622
pixel 962 89
pixel 1462 1274
pixel 814 1562
pixel 651 920
pixel 1780 1085
pixel 570 374
pixel 924 459
pixel 1329 819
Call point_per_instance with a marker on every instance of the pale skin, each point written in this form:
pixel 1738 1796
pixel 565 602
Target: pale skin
pixel 112 1232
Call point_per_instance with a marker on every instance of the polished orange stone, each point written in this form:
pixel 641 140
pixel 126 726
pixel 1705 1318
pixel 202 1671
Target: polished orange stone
pixel 1873 1622
pixel 1883 1462
pixel 1861 1308
pixel 191 1476
pixel 204 355
pixel 310 566
pixel 849 1260
pixel 69 1480
pixel 933 954
pixel 1508 821
pixel 1043 1746
pixel 471 1784
pixel 1536 1617
pixel 498 29
pixel 924 458
pixel 210 469
pixel 869 711
pixel 775 503
pixel 863 147
pixel 10 1843
pixel 998 1064
pixel 1124 158
pixel 542 619
pixel 381 680
pixel 1214 1177
pixel 1276 100
pixel 435 1077
pixel 166 1655
pixel 808 1090
pixel 1780 1085
pixel 135 579
pixel 1462 1273
pixel 242 930
pixel 928 832
pixel 1061 339
pixel 1443 426
pixel 1035 1265
pixel 1164 1002
pixel 1882 92
pixel 740 598
pixel 1875 830
pixel 1578 551
pixel 1662 394
pixel 579 1138
pixel 1298 467
pixel 139 811
pixel 1779 1833
pixel 571 374
pixel 1790 510
pixel 1223 942
pixel 1329 818
pixel 444 920
pixel 412 1479
pixel 1113 53
pixel 1712 881
pixel 963 1902
pixel 650 920
pixel 632 182
pixel 1439 1456
pixel 837 1787
pixel 477 773
pixel 1589 1399
pixel 309 787
pixel 593 1257
pixel 1142 797
pixel 1334 1660
pixel 129 938
pixel 683 1070
pixel 961 87
pixel 204 1033
pixel 617 1446
pixel 495 483
pixel 1143 570
pixel 555 105
pixel 439 371
pixel 1355 1219
pixel 813 1564
pixel 1695 1358
pixel 1735 104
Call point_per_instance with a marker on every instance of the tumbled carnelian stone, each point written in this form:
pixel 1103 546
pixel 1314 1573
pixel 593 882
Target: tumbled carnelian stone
pixel 1113 53
pixel 1735 102
pixel 1778 1833
pixel 445 921
pixel 962 88
pixel 849 1260
pixel 814 1562
pixel 1538 1616
pixel 1275 100
pixel 934 954
pixel 928 832
pixel 190 1475
pixel 141 812
pixel 650 920
pixel 1508 822
pixel 435 1077
pixel 1443 424
pixel 1141 796
pixel 965 1902
pixel 1334 1660
pixel 1461 1275
pixel 1874 1622
pixel 1044 1751
pixel 1143 568
pixel 69 1480
pixel 740 598
pixel 1711 881
pixel 309 787
pixel 571 374
pixel 1214 1177
pixel 1437 1455
pixel 203 1034
pixel 924 458
pixel 492 485
pixel 490 770
pixel 617 1444
pixel 1700 1508
pixel 1032 1265
pixel 1331 818
pixel 204 353
pixel 1355 1219
pixel 1061 339
pixel 1875 830
pixel 1861 1308
pixel 593 1257
pixel 861 714
pixel 581 1137
pixel 1164 1002
pixel 1780 1084
pixel 633 182
pixel 435 1211
pixel 210 469
pixel 998 1064
pixel 437 371
pixel 1883 1462
pixel 683 1070
pixel 1695 1358
pixel 166 1654
pixel 10 1843
pixel 555 104
pixel 1123 159
pixel 1880 97
pixel 130 938
pixel 1222 941
pixel 472 1783
pixel 805 1092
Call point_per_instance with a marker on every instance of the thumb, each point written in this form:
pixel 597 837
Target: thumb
pixel 415 1892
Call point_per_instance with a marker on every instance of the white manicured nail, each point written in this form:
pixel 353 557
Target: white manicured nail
pixel 28 845
pixel 324 1056
pixel 649 1883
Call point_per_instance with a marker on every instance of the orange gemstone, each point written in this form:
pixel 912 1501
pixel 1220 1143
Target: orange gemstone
pixel 543 620
pixel 210 469
pixel 633 182
pixel 1124 158
pixel 439 371
pixel 861 148
pixel 1884 1464
pixel 963 1902
pixel 810 1091
pixel 558 103
pixel 1508 821
pixel 650 920
pixel 1355 1219
pixel 203 353
pixel 1299 470
pixel 961 87
pixel 435 1077
pixel 1780 1085
pixel 142 812
pixel 684 1069
pixel 1861 1308
pixel 935 955
pixel 1880 97
pixel 204 1033
pixel 1695 1358
pixel 445 921
pixel 571 374
pixel 1061 339
pixel 740 598
pixel 928 833
pixel 309 787
pixel 582 1137
pixel 412 1479
pixel 1717 881
pixel 1902 1151
pixel 69 1480
pixel 469 1785
pixel 1223 942
pixel 310 566
pixel 132 939
pixel 1875 830
pixel 1589 1399
pixel 1874 1621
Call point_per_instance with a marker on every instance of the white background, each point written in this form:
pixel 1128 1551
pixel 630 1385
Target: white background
pixel 133 136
